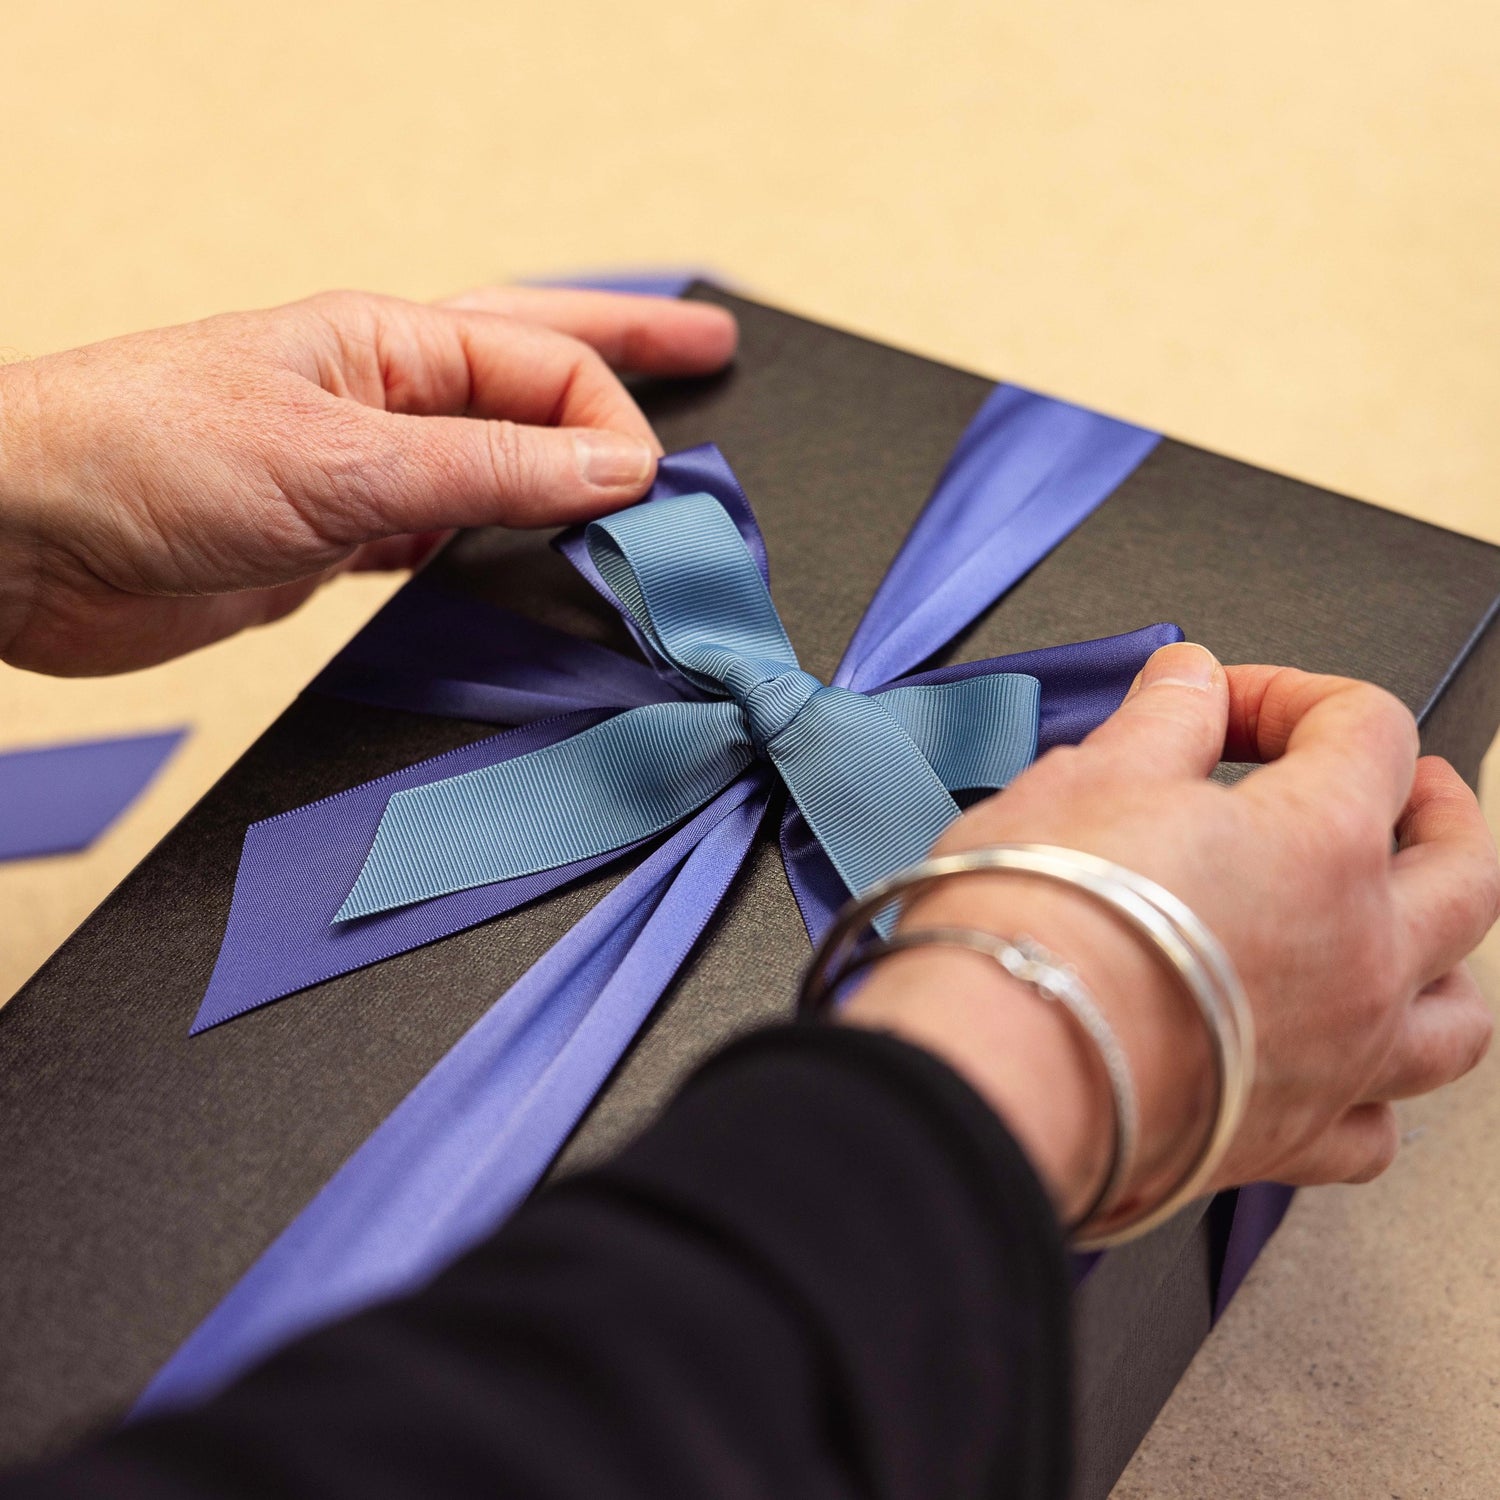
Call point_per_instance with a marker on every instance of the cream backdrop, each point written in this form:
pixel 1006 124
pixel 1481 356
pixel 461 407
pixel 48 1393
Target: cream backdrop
pixel 1270 230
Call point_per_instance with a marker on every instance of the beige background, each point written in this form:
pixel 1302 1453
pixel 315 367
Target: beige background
pixel 1267 229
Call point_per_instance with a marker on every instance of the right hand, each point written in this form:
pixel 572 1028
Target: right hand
pixel 166 489
pixel 1350 945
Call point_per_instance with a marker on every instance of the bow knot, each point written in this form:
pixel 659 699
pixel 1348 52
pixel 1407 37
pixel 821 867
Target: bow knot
pixel 774 703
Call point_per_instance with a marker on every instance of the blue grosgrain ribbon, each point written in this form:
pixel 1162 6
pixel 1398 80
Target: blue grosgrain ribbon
pixel 871 776
pixel 472 1139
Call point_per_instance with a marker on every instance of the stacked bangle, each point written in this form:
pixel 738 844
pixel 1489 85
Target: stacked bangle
pixel 1173 930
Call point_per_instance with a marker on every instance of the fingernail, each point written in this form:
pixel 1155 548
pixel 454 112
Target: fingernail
pixel 612 461
pixel 1183 665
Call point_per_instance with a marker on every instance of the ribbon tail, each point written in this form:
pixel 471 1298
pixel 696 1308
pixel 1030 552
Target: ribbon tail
pixel 474 1137
pixel 874 812
pixel 816 886
pixel 1241 1222
pixel 622 781
pixel 1082 683
pixel 456 697
pixel 1079 686
pixel 1026 472
pixel 295 869
pixel 975 732
pixel 59 798
pixel 643 282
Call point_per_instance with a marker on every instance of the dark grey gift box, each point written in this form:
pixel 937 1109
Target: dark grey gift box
pixel 141 1171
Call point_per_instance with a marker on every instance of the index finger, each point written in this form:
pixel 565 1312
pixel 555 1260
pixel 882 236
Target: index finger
pixel 416 360
pixel 648 335
pixel 1330 735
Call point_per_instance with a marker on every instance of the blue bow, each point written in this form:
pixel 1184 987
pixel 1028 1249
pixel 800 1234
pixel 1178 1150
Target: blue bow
pixel 871 774
pixel 1025 473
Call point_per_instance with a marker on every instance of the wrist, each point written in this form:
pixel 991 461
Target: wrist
pixel 20 464
pixel 1028 1057
pixel 1021 1054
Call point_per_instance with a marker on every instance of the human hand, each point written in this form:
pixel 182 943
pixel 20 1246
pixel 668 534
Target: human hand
pixel 1350 948
pixel 162 490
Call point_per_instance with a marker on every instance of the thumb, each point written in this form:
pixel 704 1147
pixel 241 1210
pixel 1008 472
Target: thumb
pixel 1173 720
pixel 440 472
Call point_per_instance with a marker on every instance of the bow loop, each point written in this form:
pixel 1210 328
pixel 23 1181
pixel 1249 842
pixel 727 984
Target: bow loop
pixel 681 569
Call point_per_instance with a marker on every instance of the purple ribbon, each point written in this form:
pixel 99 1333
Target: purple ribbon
pixel 646 282
pixel 59 798
pixel 472 1139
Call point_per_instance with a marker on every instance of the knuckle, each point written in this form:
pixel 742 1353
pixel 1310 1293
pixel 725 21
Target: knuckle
pixel 592 381
pixel 512 462
pixel 590 361
pixel 1375 997
pixel 1058 760
pixel 963 833
pixel 584 358
pixel 1353 831
pixel 1392 718
pixel 1057 779
pixel 339 481
pixel 1381 1147
pixel 1437 772
pixel 1479 1039
pixel 339 304
pixel 590 391
pixel 1419 1065
pixel 1062 765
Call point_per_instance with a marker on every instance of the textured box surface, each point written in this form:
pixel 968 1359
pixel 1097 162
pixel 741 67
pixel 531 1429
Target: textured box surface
pixel 144 1171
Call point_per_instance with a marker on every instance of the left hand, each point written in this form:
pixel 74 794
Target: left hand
pixel 1350 944
pixel 160 491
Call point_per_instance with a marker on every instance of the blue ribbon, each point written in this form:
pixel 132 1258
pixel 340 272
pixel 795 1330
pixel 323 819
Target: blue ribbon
pixel 471 1140
pixel 873 777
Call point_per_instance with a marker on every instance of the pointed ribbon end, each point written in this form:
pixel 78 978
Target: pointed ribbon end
pixel 355 905
pixel 222 1002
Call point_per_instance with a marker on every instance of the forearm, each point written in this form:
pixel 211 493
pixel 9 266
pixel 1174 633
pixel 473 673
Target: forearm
pixel 827 1272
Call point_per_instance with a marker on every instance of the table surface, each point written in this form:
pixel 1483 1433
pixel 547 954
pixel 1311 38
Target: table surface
pixel 1267 232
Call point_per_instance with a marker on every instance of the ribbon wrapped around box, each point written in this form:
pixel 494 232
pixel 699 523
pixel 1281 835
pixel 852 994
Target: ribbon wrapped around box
pixel 688 751
pixel 426 1064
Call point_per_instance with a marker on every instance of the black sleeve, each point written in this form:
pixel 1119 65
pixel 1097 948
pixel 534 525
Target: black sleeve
pixel 827 1272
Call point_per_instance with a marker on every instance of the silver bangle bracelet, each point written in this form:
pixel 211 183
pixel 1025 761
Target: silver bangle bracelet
pixel 1172 929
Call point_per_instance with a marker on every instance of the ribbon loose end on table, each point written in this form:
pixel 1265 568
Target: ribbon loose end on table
pixel 58 799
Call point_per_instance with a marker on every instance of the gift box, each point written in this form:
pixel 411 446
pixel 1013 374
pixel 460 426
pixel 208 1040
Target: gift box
pixel 149 1172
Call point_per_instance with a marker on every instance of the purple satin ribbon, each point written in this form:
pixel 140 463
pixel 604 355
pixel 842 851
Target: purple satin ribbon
pixel 58 799
pixel 1240 1223
pixel 645 282
pixel 431 652
pixel 471 1140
